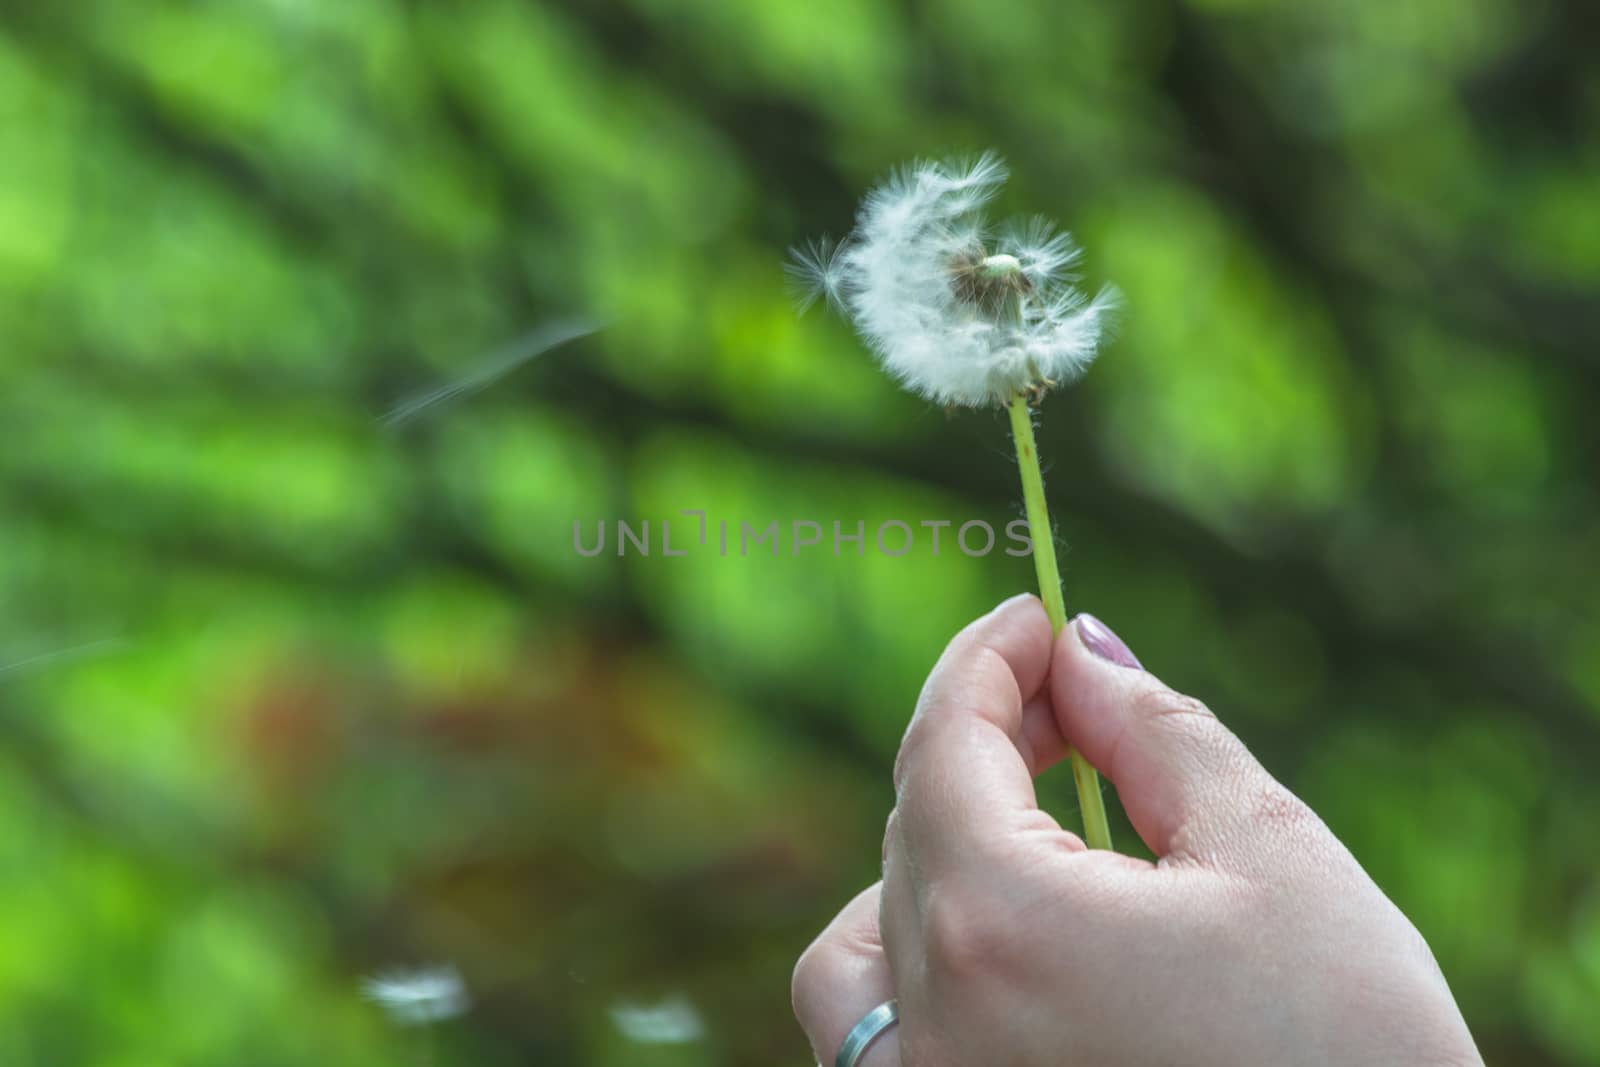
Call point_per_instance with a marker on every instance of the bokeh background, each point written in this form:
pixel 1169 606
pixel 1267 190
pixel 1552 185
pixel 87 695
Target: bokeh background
pixel 301 678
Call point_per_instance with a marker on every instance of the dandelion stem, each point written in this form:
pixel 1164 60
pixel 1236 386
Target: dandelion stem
pixel 1096 832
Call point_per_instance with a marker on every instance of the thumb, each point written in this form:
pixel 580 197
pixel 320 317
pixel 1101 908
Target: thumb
pixel 1189 786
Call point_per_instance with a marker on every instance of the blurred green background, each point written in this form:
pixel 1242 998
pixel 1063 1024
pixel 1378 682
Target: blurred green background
pixel 292 694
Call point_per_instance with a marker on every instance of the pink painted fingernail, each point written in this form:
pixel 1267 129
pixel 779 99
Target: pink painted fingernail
pixel 1098 638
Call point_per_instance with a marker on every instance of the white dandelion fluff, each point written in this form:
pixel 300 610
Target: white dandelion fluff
pixel 955 311
pixel 419 996
pixel 673 1021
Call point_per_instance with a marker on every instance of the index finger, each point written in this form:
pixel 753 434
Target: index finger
pixel 962 778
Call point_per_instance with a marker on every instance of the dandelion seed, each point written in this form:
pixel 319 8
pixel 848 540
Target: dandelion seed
pixel 419 996
pixel 673 1021
pixel 88 650
pixel 954 311
pixel 814 271
pixel 491 368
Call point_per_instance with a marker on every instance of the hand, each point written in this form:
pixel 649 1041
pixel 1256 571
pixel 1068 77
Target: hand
pixel 1256 938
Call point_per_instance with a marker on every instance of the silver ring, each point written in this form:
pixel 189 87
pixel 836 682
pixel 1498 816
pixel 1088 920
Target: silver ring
pixel 865 1032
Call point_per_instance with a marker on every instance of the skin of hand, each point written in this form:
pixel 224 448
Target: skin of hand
pixel 1256 938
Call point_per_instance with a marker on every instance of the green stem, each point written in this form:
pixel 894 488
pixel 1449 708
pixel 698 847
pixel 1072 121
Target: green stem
pixel 1096 832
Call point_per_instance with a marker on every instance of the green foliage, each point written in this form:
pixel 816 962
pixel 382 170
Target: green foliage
pixel 290 694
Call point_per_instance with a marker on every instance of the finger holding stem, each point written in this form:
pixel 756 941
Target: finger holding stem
pixel 1096 831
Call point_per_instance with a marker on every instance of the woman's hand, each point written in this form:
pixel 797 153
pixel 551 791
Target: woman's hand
pixel 1255 939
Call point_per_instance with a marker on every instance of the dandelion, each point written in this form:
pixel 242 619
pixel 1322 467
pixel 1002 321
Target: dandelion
pixel 956 312
pixel 968 315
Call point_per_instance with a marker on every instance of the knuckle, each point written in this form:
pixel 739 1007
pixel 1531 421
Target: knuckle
pixel 1279 807
pixel 973 677
pixel 1163 705
pixel 968 939
pixel 984 655
pixel 1191 726
pixel 902 759
pixel 915 736
pixel 1275 810
pixel 891 827
pixel 810 980
pixel 828 962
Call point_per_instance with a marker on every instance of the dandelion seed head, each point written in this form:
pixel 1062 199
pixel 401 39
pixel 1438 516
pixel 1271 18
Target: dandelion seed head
pixel 955 311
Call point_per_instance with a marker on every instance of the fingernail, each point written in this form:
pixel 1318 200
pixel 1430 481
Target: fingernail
pixel 1098 638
